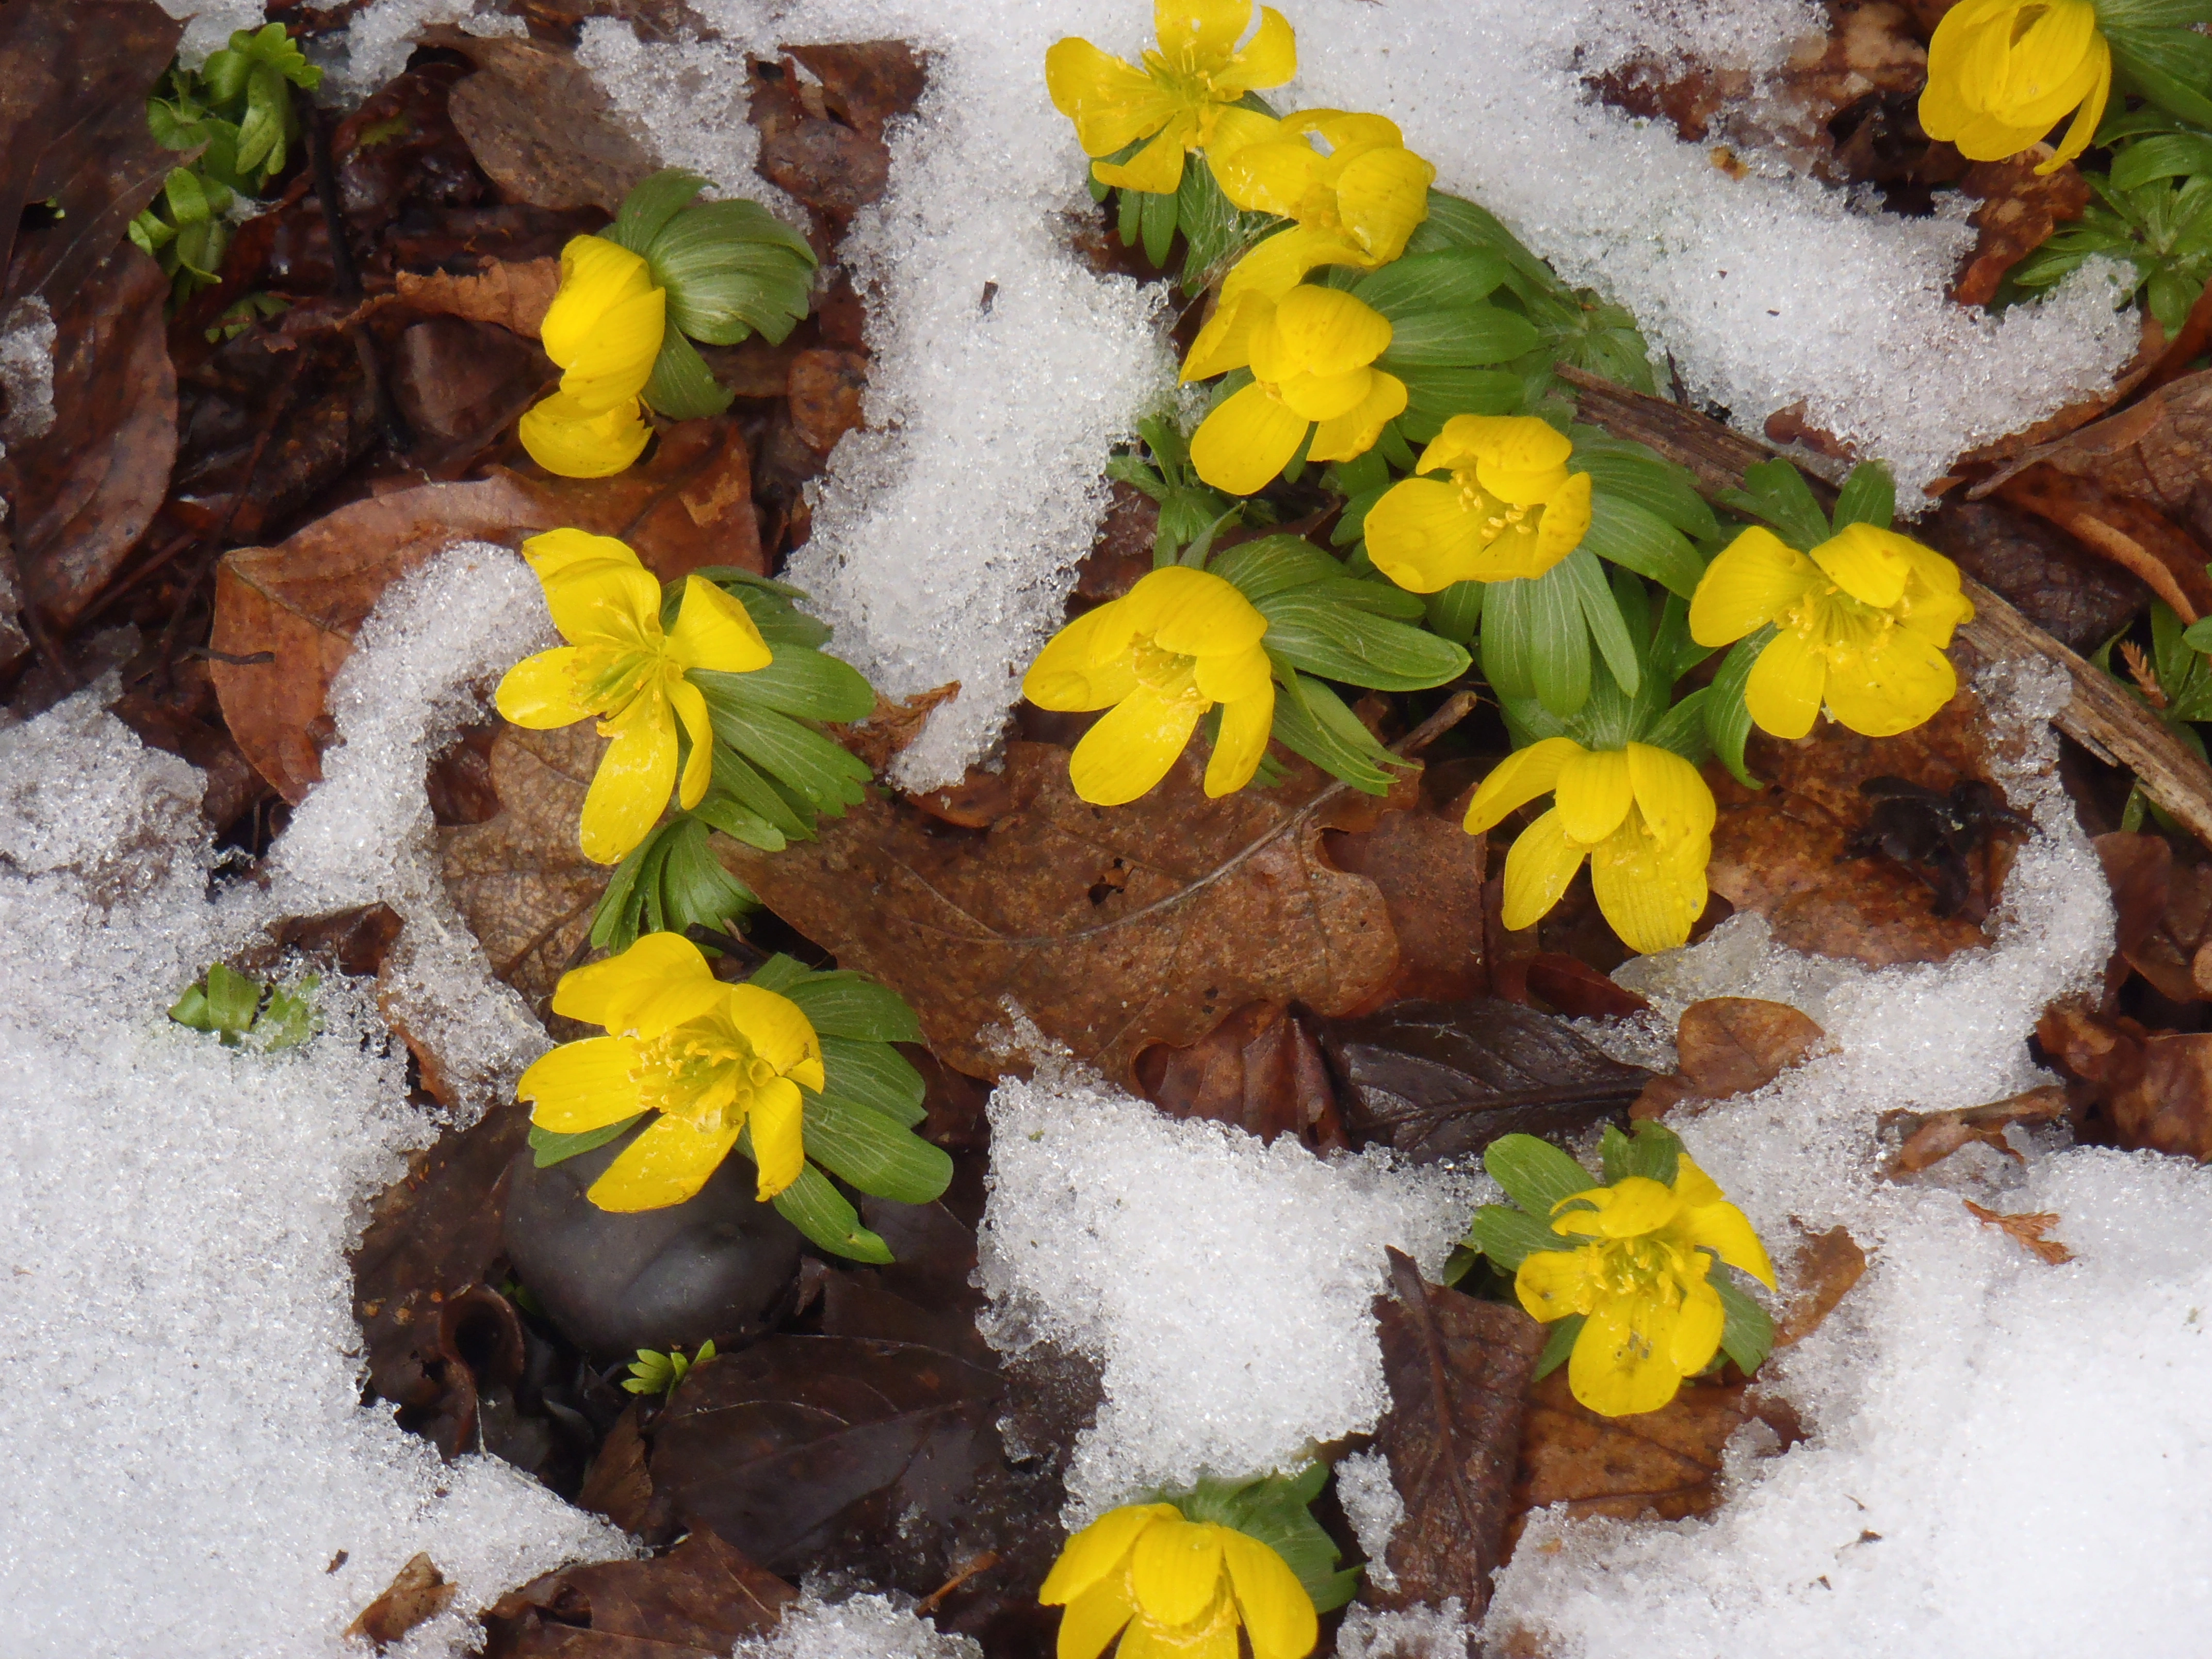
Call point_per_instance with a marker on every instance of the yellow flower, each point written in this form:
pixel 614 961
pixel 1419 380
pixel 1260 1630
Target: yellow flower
pixel 1641 815
pixel 1354 206
pixel 1181 1587
pixel 1864 621
pixel 1157 658
pixel 713 1060
pixel 2001 73
pixel 1183 98
pixel 1510 510
pixel 620 667
pixel 604 330
pixel 1311 353
pixel 1653 1318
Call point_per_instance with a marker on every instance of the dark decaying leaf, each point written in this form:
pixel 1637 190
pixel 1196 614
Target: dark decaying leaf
pixel 2165 909
pixel 1572 988
pixel 692 1603
pixel 866 83
pixel 1259 1069
pixel 2150 1089
pixel 2150 454
pixel 2079 599
pixel 537 122
pixel 418 1594
pixel 825 384
pixel 2019 208
pixel 1430 872
pixel 2133 535
pixel 1457 1369
pixel 1439 1078
pixel 821 140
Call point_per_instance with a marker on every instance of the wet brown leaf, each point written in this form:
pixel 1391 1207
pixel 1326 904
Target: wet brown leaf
pixel 1123 552
pixel 2020 209
pixel 1259 1069
pixel 520 879
pixel 418 1594
pixel 1732 1045
pixel 686 505
pixel 1817 1278
pixel 1569 985
pixel 1929 1138
pixel 692 1603
pixel 457 384
pixel 826 384
pixel 1115 928
pixel 866 83
pixel 2156 453
pixel 2139 538
pixel 2026 1230
pixel 538 123
pixel 2154 1088
pixel 2165 909
pixel 1458 1372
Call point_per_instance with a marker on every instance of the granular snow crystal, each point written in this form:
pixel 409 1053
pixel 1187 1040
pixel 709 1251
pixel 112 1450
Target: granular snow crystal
pixel 859 1628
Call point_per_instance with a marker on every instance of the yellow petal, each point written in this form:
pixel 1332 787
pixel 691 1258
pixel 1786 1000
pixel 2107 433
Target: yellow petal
pixel 553 552
pixel 606 603
pixel 1227 130
pixel 1194 612
pixel 1517 457
pixel 630 790
pixel 1278 1614
pixel 1069 675
pixel 1424 536
pixel 583 1085
pixel 1274 267
pixel 660 982
pixel 617 357
pixel 689 707
pixel 1111 101
pixel 1594 794
pixel 1870 564
pixel 1566 521
pixel 1099 1550
pixel 1246 441
pixel 1246 725
pixel 1727 1232
pixel 1757 577
pixel 777 1117
pixel 571 442
pixel 1382 197
pixel 1675 800
pixel 1650 891
pixel 1269 58
pixel 1892 687
pixel 1267 175
pixel 1519 779
pixel 713 630
pixel 1353 433
pixel 597 276
pixel 779 1030
pixel 1698 1328
pixel 1618 1367
pixel 1784 691
pixel 1175 1569
pixel 1552 1283
pixel 1093 1619
pixel 1226 342
pixel 1325 397
pixel 1157 169
pixel 1538 868
pixel 1324 330
pixel 1133 746
pixel 1634 1206
pixel 1236 675
pixel 1693 1186
pixel 666 1165
pixel 540 692
pixel 2092 113
pixel 1200 33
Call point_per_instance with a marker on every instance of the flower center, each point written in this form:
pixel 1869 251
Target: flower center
pixel 1646 1267
pixel 610 678
pixel 703 1072
pixel 1842 628
pixel 1168 673
pixel 1497 517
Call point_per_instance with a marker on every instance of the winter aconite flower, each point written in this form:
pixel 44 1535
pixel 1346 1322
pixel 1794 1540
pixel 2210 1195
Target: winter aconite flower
pixel 714 1061
pixel 621 667
pixel 1863 621
pixel 1185 96
pixel 1156 659
pixel 1311 354
pixel 1641 815
pixel 1510 509
pixel 1640 1276
pixel 604 330
pixel 1179 1587
pixel 1354 206
pixel 2003 73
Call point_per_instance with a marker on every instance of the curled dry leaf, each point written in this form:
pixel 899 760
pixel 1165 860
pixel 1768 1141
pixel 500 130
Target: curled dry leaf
pixel 2153 453
pixel 418 1594
pixel 2020 209
pixel 537 123
pixel 1458 1372
pixel 1115 929
pixel 1929 1138
pixel 2154 1090
pixel 1729 1045
pixel 890 727
pixel 2165 909
pixel 692 1603
pixel 2026 1230
pixel 513 293
pixel 1823 1270
pixel 1259 1069
pixel 865 84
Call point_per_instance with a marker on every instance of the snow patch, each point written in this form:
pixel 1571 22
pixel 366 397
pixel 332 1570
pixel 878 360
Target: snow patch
pixel 859 1628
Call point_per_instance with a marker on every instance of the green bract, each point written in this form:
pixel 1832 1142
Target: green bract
pixel 659 1373
pixel 235 1007
pixel 1660 651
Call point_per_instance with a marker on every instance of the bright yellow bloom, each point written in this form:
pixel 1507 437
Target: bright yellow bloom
pixel 1864 621
pixel 1157 658
pixel 1510 510
pixel 1311 354
pixel 604 330
pixel 1653 1317
pixel 1181 1587
pixel 1183 98
pixel 2000 73
pixel 1355 205
pixel 713 1060
pixel 1641 815
pixel 620 667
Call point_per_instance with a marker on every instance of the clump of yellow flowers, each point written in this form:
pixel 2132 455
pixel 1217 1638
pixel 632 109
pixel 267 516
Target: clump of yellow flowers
pixel 1631 1273
pixel 1354 206
pixel 1508 508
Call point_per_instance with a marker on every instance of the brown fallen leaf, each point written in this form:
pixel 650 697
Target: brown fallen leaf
pixel 834 168
pixel 1929 1138
pixel 1458 1372
pixel 2058 584
pixel 866 84
pixel 1114 929
pixel 458 383
pixel 2154 1089
pixel 692 1603
pixel 537 123
pixel 2164 908
pixel 1259 1069
pixel 2152 453
pixel 513 293
pixel 419 1593
pixel 1571 987
pixel 1431 873
pixel 689 504
pixel 1815 1279
pixel 519 878
pixel 826 384
pixel 2026 1230
pixel 1728 1046
pixel 2020 209
pixel 893 725
pixel 2137 537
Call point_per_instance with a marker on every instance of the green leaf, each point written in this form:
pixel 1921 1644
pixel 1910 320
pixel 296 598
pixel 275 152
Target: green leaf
pixel 1682 729
pixel 1312 630
pixel 1274 1509
pixel 1214 232
pixel 1534 643
pixel 874 1075
pixel 2170 66
pixel 780 973
pixel 1455 222
pixel 733 268
pixel 874 1154
pixel 1632 472
pixel 291 1017
pixel 683 388
pixel 190 1010
pixel 1654 1153
pixel 1602 615
pixel 822 1212
pixel 186 196
pixel 1636 538
pixel 651 203
pixel 1156 221
pixel 1273 564
pixel 232 998
pixel 1509 1236
pixel 1434 395
pixel 1869 496
pixel 1455 612
pixel 1776 492
pixel 547 1149
pixel 842 1003
pixel 735 776
pixel 1535 1174
pixel 1312 721
pixel 695 890
pixel 2150 15
pixel 1443 281
pixel 804 684
pixel 1456 335
pixel 2198 634
pixel 1748 1334
pixel 829 777
pixel 1727 717
pixel 2169 155
pixel 1558 1344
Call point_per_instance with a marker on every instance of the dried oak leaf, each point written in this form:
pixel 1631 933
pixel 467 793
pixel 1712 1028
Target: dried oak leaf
pixel 537 123
pixel 1431 872
pixel 2026 1230
pixel 692 1603
pixel 2154 1089
pixel 1569 987
pixel 419 1593
pixel 520 879
pixel 1114 928
pixel 1259 1069
pixel 1729 1045
pixel 2020 209
pixel 1458 1372
pixel 2156 453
